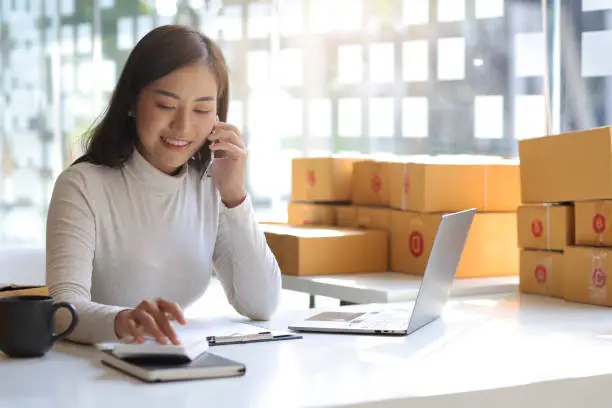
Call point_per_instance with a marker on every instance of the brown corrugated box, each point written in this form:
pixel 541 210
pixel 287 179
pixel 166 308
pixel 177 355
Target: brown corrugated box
pixel 575 166
pixel 311 214
pixel 346 216
pixel 322 179
pixel 369 218
pixel 545 226
pixel 587 275
pixel 490 249
pixel 593 220
pixel 541 272
pixel 374 218
pixel 371 183
pixel 23 290
pixel 450 184
pixel 307 250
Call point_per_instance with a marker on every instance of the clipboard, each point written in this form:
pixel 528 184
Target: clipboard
pixel 235 334
pixel 243 338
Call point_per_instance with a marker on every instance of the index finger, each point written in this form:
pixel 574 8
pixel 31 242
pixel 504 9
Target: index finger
pixel 166 326
pixel 162 323
pixel 218 126
pixel 173 309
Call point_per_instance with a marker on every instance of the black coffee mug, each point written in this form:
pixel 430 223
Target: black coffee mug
pixel 27 325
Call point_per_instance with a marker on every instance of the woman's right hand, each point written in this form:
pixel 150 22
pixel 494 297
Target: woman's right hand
pixel 150 318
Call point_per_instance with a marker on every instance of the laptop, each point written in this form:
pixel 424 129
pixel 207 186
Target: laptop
pixel 432 296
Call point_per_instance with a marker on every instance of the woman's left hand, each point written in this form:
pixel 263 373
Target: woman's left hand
pixel 229 163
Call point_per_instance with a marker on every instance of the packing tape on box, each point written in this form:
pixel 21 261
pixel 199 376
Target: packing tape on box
pixel 485 188
pixel 598 279
pixel 363 221
pixel 404 184
pixel 547 226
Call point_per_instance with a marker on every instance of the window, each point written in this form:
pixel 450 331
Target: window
pixel 84 38
pixel 489 117
pixel 349 114
pixel 259 21
pixel 291 63
pixel 592 65
pixel 350 64
pixel 125 34
pixel 530 116
pixel 307 77
pixel 451 58
pixel 489 8
pixel 381 63
pixel 320 117
pixel 381 117
pixel 415 117
pixel 451 10
pixel 530 54
pixel 258 68
pixel 415 61
pixel 415 12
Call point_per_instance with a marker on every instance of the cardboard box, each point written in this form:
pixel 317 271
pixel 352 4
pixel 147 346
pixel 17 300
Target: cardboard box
pixel 541 272
pixel 593 220
pixel 448 185
pixel 21 290
pixel 587 273
pixel 490 249
pixel 346 216
pixel 366 217
pixel 322 179
pixel 371 183
pixel 374 218
pixel 575 166
pixel 311 214
pixel 545 226
pixel 306 250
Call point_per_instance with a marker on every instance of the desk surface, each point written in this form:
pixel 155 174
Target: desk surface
pixel 488 343
pixel 383 287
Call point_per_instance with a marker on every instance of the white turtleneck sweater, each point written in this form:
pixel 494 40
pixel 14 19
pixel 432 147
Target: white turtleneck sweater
pixel 116 237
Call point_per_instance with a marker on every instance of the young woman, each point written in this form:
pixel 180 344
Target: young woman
pixel 136 225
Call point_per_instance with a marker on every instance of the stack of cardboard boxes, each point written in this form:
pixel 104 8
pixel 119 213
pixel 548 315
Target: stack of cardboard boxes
pixel 312 243
pixel 318 186
pixel 407 199
pixel 566 185
pixel 545 230
pixel 423 190
pixel 402 201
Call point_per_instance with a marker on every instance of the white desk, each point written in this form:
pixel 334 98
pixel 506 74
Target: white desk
pixel 385 287
pixel 478 352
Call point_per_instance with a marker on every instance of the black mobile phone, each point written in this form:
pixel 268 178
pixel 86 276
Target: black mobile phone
pixel 207 156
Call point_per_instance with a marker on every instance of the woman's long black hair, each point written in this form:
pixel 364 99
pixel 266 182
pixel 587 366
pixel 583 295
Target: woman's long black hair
pixel 113 139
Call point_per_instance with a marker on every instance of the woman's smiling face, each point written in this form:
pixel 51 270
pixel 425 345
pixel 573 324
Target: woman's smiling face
pixel 174 115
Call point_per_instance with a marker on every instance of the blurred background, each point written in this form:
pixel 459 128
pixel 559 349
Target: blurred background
pixel 308 78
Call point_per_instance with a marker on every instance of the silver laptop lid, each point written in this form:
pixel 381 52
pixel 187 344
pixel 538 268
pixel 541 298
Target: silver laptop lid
pixel 441 268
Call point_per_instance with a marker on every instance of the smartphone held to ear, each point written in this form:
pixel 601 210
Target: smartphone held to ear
pixel 211 159
pixel 212 155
